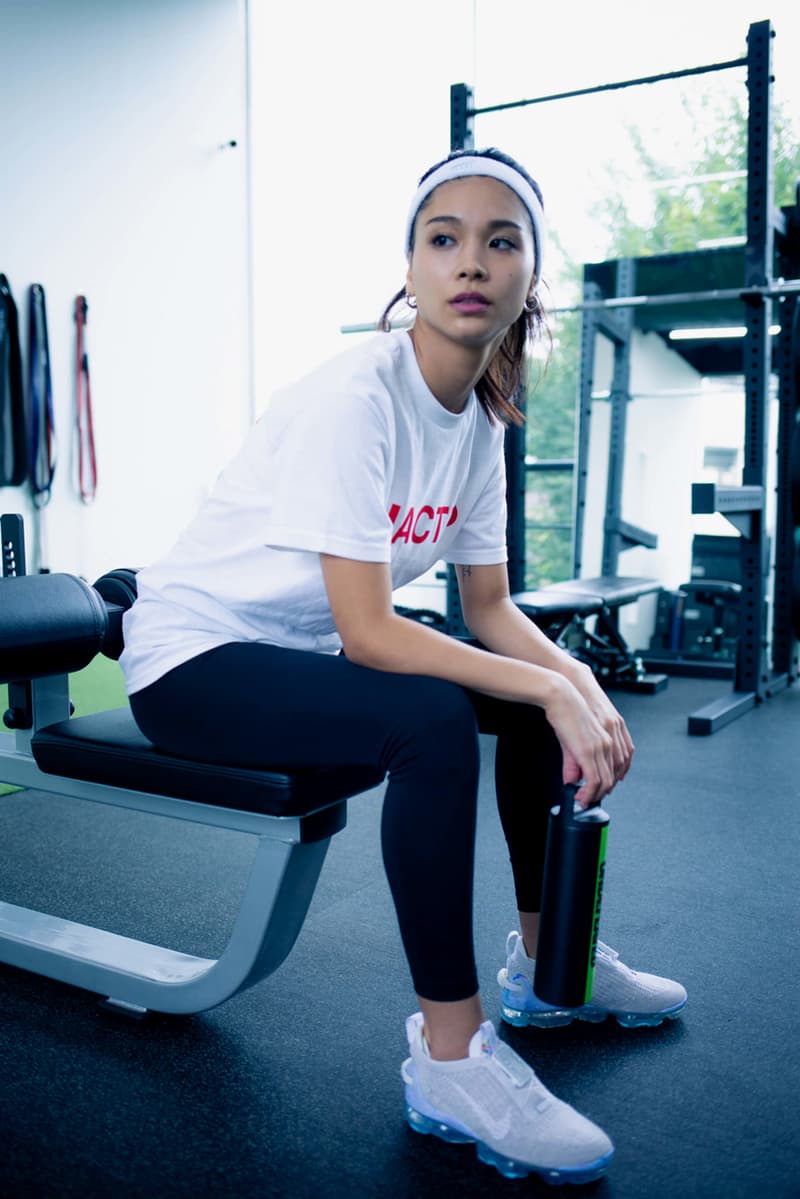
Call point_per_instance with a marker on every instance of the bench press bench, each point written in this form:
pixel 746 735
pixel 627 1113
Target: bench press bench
pixel 51 625
pixel 562 610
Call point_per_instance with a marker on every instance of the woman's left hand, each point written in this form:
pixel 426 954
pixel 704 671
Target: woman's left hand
pixel 583 679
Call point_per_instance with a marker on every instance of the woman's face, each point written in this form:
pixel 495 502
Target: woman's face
pixel 472 265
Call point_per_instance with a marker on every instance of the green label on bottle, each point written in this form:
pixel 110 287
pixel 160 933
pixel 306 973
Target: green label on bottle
pixel 598 897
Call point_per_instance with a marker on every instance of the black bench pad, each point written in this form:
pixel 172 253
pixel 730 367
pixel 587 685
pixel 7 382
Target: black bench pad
pixel 556 604
pixel 108 748
pixel 613 590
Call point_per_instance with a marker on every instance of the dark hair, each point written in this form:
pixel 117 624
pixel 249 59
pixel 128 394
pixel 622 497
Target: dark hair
pixel 498 386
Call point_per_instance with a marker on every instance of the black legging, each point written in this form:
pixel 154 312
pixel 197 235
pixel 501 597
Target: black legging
pixel 259 705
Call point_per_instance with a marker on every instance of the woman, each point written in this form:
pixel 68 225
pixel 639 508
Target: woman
pixel 357 479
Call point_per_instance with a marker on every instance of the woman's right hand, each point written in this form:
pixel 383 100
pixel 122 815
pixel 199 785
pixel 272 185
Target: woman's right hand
pixel 587 748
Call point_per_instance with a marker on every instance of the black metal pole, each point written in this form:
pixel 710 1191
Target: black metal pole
pixel 461 114
pixel 591 293
pixel 612 87
pixel 620 397
pixel 751 664
pixel 784 640
pixel 461 138
pixel 516 476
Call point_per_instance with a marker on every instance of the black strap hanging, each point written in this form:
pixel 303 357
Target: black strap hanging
pixel 13 456
pixel 87 460
pixel 42 443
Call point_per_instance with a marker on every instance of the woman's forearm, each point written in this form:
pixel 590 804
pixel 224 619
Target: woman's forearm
pixel 397 644
pixel 505 630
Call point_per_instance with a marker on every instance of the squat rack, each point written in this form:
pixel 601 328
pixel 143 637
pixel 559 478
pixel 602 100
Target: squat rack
pixel 614 316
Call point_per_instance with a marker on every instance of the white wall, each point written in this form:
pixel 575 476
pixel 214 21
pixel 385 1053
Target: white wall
pixel 351 103
pixel 115 186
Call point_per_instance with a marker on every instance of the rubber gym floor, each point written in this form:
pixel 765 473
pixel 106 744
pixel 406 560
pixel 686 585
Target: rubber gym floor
pixel 293 1088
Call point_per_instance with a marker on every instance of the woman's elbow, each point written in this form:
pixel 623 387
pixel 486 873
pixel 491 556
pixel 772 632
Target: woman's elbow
pixel 476 626
pixel 485 620
pixel 361 645
pixel 380 645
pixel 355 651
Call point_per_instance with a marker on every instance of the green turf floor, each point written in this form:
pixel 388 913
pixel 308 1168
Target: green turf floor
pixel 95 689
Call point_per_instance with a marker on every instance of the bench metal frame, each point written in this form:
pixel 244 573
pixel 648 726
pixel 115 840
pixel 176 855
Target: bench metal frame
pixel 134 975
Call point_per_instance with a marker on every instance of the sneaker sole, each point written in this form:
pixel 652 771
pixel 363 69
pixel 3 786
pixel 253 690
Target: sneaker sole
pixel 560 1018
pixel 508 1167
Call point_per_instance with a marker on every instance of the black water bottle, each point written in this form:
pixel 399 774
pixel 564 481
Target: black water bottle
pixel 571 893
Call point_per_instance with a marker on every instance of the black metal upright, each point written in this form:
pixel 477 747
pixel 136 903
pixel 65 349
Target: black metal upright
pixel 618 534
pixel 462 118
pixel 751 671
pixel 753 680
pixel 461 138
pixel 515 500
pixel 589 323
pixel 619 400
pixel 787 365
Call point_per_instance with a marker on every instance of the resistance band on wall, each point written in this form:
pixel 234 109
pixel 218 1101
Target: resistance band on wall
pixel 42 442
pixel 87 460
pixel 13 457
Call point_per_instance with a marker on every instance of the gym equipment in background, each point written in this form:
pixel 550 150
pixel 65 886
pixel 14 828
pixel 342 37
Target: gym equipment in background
pixel 697 626
pixel 697 629
pixel 41 438
pixel 13 440
pixel 755 286
pixel 563 610
pixel 41 422
pixel 84 424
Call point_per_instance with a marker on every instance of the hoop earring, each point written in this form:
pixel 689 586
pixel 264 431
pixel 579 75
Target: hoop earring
pixel 411 301
pixel 531 304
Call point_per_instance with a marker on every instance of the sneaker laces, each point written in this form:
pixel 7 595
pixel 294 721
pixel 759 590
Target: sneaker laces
pixel 520 1073
pixel 612 957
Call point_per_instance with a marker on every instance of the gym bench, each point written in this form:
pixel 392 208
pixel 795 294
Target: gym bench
pixel 562 610
pixel 53 624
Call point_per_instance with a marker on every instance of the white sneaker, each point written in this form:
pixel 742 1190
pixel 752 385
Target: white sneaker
pixel 634 999
pixel 493 1098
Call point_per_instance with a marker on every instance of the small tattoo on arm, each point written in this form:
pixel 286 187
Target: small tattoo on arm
pixel 465 570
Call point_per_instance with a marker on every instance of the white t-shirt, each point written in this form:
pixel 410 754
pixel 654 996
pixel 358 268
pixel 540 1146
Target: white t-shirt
pixel 359 460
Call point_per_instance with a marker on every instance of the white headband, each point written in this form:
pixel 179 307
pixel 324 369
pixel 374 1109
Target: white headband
pixel 468 165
